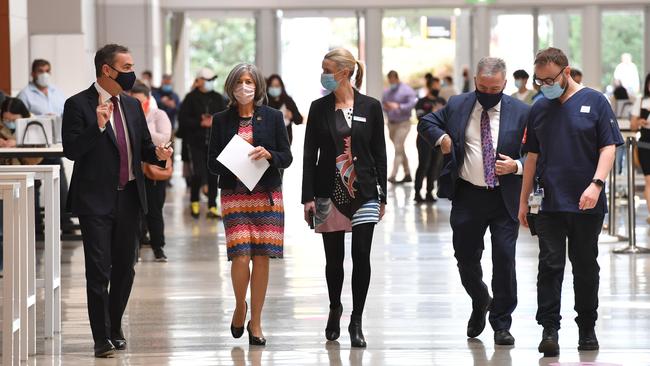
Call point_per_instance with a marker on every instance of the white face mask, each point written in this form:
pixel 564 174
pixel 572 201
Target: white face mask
pixel 244 93
pixel 43 79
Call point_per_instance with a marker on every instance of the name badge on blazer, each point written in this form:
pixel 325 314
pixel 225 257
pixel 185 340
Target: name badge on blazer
pixel 359 119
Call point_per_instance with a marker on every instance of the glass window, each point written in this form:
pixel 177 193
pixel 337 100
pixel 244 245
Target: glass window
pixel 622 48
pixel 220 44
pixel 419 41
pixel 508 31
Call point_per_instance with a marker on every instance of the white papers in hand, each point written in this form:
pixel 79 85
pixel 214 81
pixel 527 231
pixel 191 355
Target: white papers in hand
pixel 235 157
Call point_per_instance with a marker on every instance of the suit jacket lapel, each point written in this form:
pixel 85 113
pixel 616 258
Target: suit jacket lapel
pixel 130 116
pixel 330 117
pixel 358 109
pixel 503 122
pixel 93 100
pixel 466 115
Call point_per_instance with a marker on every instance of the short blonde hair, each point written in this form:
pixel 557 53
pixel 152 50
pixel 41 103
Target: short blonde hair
pixel 344 60
pixel 233 78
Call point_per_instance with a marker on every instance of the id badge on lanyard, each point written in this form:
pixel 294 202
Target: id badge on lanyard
pixel 535 200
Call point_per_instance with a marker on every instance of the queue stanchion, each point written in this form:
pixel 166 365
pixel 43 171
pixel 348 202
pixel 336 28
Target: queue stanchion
pixel 611 236
pixel 632 248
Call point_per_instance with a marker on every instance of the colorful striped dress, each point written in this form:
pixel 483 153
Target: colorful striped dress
pixel 254 220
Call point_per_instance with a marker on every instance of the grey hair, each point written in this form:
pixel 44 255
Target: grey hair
pixel 233 78
pixel 490 66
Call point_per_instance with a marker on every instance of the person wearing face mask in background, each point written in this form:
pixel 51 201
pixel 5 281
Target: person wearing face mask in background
pixel 195 121
pixel 253 219
pixel 105 133
pixel 523 93
pixel 43 98
pixel 398 102
pixel 280 100
pixel 167 99
pixel 639 122
pixel 571 140
pixel 429 159
pixel 344 182
pixel 480 136
pixel 160 129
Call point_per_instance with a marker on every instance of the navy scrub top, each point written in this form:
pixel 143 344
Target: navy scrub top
pixel 568 138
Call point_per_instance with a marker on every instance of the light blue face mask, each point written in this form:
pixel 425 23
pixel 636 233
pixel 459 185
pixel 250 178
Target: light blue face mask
pixel 10 125
pixel 275 91
pixel 209 85
pixel 329 82
pixel 167 88
pixel 518 83
pixel 552 91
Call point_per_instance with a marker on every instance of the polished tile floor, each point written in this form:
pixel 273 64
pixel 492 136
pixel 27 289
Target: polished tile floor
pixel 180 312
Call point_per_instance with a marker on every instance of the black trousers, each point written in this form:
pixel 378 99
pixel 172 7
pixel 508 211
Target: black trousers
pixel 156 192
pixel 201 176
pixel 581 230
pixel 110 244
pixel 473 212
pixel 334 244
pixel 429 165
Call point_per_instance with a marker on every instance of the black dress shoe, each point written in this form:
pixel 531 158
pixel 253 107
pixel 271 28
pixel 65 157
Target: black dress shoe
pixel 237 332
pixel 104 349
pixel 476 322
pixel 549 345
pixel 406 179
pixel 120 344
pixel 430 198
pixel 418 198
pixel 587 340
pixel 333 329
pixel 252 340
pixel 503 338
pixel 356 334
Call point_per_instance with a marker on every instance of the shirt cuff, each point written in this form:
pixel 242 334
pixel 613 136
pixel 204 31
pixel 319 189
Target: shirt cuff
pixel 102 129
pixel 439 142
pixel 520 168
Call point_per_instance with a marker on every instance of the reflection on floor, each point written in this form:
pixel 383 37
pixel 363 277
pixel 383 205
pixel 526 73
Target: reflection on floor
pixel 416 314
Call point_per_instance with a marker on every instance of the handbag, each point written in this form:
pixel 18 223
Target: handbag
pixel 156 173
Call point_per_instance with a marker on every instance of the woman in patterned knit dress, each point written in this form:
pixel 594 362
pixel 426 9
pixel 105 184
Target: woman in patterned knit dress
pixel 254 220
pixel 344 180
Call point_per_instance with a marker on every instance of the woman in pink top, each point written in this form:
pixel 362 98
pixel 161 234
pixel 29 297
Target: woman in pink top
pixel 160 128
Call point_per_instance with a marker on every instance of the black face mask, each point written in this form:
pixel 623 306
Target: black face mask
pixel 124 79
pixel 488 100
pixel 435 92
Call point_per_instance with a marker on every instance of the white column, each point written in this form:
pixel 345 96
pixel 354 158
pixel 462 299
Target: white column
pixel 561 32
pixel 463 47
pixel 267 52
pixel 646 42
pixel 535 14
pixel 373 52
pixel 19 45
pixel 481 30
pixel 591 47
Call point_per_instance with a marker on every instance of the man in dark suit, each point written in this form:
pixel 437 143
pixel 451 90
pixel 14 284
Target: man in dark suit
pixel 106 134
pixel 480 134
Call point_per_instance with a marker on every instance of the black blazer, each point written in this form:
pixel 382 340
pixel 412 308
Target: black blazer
pixel 368 148
pixel 292 107
pixel 93 187
pixel 268 132
pixel 453 120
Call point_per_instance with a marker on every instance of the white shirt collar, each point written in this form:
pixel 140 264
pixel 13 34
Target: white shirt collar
pixel 106 96
pixel 496 108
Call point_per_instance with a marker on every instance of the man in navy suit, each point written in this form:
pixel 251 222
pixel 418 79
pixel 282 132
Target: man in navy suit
pixel 480 135
pixel 105 133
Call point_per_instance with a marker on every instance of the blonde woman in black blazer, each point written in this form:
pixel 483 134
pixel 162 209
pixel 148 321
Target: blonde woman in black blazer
pixel 344 181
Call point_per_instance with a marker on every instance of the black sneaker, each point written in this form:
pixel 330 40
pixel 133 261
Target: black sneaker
pixel 159 255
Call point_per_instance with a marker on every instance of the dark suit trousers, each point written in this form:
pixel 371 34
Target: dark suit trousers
pixel 110 244
pixel 581 230
pixel 473 212
pixel 429 165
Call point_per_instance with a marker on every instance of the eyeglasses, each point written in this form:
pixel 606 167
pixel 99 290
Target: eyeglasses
pixel 547 81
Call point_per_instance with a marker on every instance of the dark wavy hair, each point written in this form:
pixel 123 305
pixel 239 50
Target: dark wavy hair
pixel 283 96
pixel 14 106
pixel 646 86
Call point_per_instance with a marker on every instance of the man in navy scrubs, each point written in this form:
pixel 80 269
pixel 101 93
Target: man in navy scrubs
pixel 480 135
pixel 571 139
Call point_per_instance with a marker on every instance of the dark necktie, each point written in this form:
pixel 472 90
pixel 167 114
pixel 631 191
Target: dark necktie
pixel 489 156
pixel 121 143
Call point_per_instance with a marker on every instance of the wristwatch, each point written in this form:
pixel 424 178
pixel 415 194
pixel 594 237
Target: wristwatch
pixel 598 182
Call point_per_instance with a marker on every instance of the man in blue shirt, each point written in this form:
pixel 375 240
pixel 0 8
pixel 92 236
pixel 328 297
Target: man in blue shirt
pixel 571 139
pixel 167 98
pixel 40 96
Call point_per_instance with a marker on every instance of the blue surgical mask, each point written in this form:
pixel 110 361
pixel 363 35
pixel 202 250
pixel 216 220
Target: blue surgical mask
pixel 10 125
pixel 552 91
pixel 518 83
pixel 274 91
pixel 167 88
pixel 394 86
pixel 329 82
pixel 208 86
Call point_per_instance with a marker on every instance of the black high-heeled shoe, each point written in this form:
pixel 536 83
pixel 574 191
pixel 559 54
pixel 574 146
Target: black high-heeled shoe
pixel 252 340
pixel 333 329
pixel 237 332
pixel 356 334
